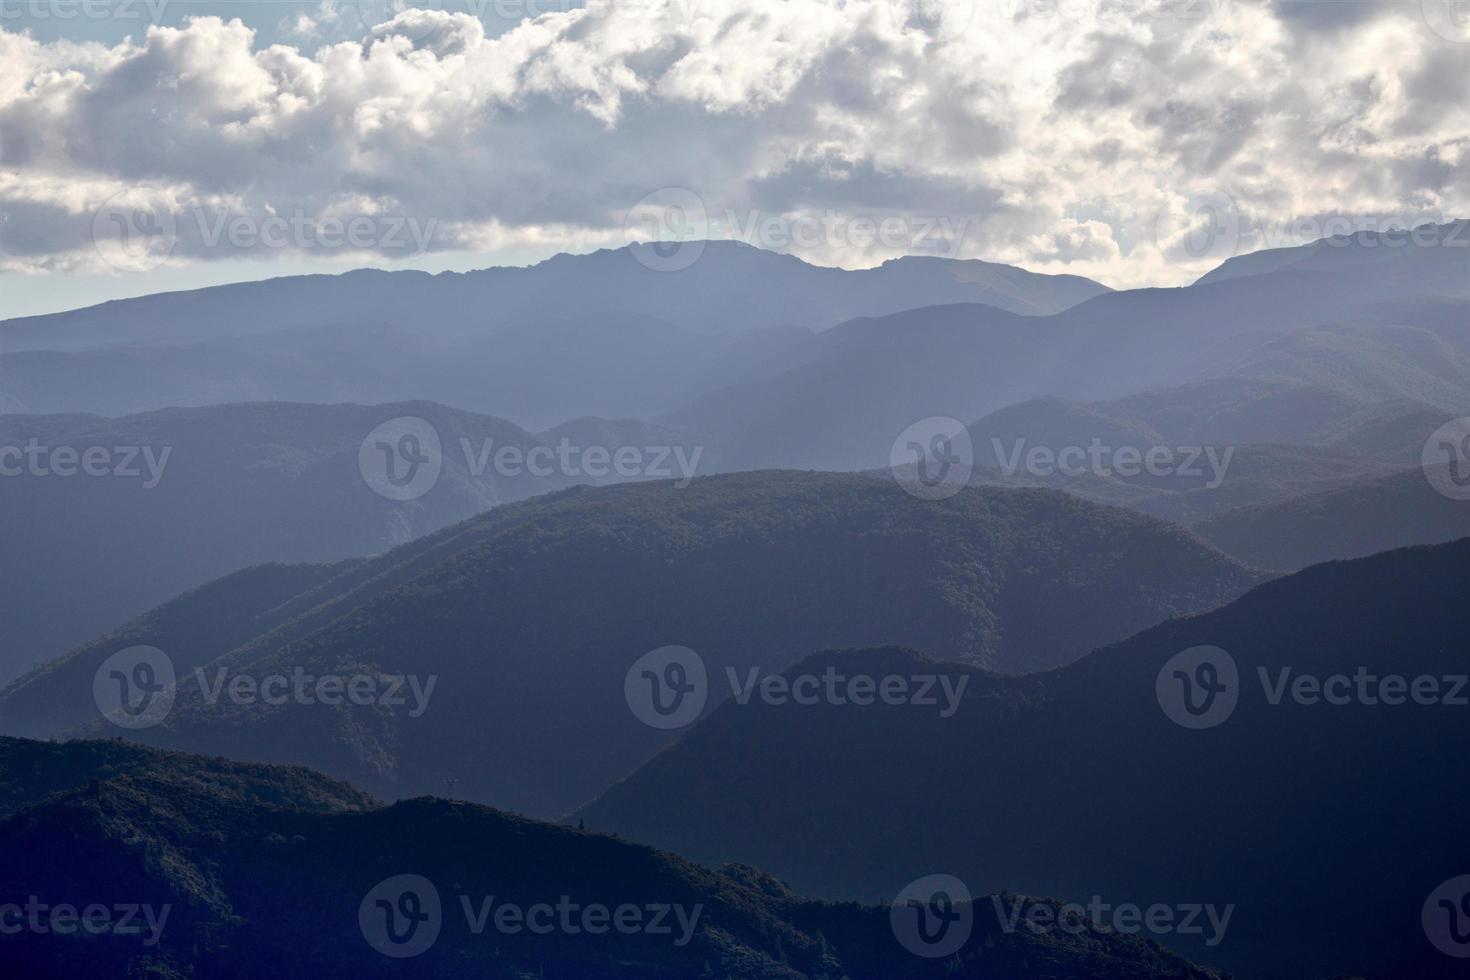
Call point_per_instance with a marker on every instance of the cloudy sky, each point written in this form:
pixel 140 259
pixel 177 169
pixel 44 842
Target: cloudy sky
pixel 159 144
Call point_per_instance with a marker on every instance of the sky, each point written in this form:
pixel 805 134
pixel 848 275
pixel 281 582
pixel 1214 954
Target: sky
pixel 151 145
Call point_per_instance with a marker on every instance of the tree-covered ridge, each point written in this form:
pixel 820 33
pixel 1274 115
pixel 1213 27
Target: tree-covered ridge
pixel 258 884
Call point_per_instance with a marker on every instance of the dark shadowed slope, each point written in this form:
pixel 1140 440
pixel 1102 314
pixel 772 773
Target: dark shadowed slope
pixel 531 616
pixel 198 626
pixel 1327 825
pixel 1348 522
pixel 263 871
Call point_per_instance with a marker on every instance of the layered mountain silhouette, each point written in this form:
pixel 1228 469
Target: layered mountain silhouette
pixel 1347 522
pixel 531 616
pixel 1229 444
pixel 775 362
pixel 244 871
pixel 183 496
pixel 1326 815
pixel 862 383
pixel 598 334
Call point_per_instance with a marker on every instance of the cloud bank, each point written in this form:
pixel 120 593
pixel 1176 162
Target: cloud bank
pixel 1136 141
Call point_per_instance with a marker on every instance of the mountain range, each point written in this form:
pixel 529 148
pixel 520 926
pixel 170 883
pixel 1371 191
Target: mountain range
pixel 533 613
pixel 1321 808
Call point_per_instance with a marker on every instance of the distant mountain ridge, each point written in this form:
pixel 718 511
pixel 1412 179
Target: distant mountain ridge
pixel 716 293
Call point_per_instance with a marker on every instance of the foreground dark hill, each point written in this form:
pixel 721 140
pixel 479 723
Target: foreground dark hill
pixel 180 497
pixel 254 871
pixel 531 616
pixel 1327 825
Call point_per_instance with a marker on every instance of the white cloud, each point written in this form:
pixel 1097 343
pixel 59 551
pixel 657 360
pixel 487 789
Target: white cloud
pixel 1081 136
